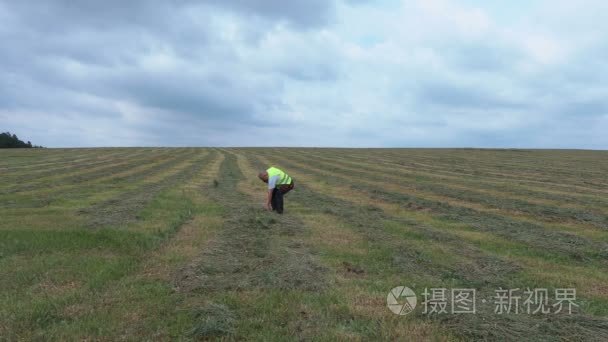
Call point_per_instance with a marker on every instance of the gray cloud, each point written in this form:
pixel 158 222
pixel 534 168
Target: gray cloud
pixel 303 14
pixel 298 73
pixel 485 56
pixel 462 97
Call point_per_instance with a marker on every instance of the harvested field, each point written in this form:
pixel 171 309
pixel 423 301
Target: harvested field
pixel 174 243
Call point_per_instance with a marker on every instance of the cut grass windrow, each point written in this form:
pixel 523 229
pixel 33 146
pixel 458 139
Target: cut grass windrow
pixel 571 226
pixel 80 174
pixel 577 169
pixel 502 188
pixel 456 163
pixel 33 159
pixel 183 250
pixel 256 272
pixel 359 269
pixel 122 209
pixel 469 194
pixel 82 284
pixel 467 270
pixel 40 174
pixel 245 256
pixel 112 180
pixel 577 248
pixel 380 226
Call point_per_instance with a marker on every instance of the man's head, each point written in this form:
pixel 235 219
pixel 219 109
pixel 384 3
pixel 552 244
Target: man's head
pixel 263 175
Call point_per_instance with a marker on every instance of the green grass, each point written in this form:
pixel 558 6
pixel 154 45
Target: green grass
pixel 166 244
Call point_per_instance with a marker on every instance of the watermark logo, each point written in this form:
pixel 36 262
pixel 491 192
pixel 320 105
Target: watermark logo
pixel 436 301
pixel 401 300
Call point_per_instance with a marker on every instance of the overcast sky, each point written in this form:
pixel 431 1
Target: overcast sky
pixel 432 73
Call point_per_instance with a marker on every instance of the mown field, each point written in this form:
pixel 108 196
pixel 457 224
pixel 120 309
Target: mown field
pixel 160 243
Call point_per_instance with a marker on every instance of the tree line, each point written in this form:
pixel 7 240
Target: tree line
pixel 8 140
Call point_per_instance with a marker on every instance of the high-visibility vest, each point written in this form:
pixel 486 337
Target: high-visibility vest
pixel 283 177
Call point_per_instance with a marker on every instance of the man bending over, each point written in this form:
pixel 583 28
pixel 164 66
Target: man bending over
pixel 279 183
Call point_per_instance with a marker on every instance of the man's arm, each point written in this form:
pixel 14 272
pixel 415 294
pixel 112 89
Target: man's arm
pixel 272 181
pixel 269 200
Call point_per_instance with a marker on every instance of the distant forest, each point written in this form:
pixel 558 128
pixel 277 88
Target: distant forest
pixel 8 140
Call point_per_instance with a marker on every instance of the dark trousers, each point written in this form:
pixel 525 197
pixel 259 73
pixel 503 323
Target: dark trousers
pixel 277 196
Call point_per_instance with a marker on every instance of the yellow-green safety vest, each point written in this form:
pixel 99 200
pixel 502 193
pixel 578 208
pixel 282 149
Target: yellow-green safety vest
pixel 283 177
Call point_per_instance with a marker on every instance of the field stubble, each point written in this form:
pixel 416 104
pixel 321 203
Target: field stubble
pixel 173 243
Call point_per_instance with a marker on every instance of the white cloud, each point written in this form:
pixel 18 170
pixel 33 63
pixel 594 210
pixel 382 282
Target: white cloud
pixel 410 73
